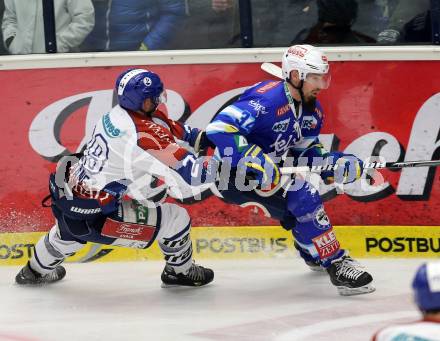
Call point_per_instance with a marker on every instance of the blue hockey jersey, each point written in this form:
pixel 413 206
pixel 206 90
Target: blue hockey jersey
pixel 263 116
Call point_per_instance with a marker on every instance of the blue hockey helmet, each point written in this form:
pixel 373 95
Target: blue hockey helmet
pixel 426 285
pixel 134 86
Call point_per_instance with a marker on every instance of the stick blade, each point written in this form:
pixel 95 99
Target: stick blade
pixel 272 69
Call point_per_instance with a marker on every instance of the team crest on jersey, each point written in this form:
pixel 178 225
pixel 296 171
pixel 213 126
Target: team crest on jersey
pixel 321 221
pixel 109 128
pixel 281 126
pixel 267 87
pixel 309 122
pixel 282 110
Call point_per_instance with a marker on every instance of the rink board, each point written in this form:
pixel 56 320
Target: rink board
pixel 249 243
pixel 43 122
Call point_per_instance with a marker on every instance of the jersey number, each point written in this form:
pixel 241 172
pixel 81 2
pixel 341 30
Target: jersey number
pixel 96 154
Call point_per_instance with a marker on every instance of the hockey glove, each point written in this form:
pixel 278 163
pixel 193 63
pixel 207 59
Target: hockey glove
pixel 202 143
pixel 261 167
pixel 348 168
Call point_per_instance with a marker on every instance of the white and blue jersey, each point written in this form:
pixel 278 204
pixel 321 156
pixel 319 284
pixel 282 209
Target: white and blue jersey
pixel 263 116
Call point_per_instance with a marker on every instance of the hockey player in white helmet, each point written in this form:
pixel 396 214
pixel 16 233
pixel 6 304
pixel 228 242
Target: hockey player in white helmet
pixel 133 141
pixel 426 289
pixel 277 119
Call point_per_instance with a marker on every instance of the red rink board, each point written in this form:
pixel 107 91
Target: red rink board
pixel 384 98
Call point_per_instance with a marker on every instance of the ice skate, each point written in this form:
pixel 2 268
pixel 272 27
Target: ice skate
pixel 196 276
pixel 28 276
pixel 349 278
pixel 310 262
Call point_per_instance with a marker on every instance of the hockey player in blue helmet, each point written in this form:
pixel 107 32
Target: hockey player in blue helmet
pixel 426 288
pixel 133 142
pixel 135 86
pixel 274 121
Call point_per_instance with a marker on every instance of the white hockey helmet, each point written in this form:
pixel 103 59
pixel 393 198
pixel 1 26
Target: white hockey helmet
pixel 306 59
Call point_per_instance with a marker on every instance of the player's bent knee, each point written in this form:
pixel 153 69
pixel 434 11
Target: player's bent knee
pixel 174 215
pixel 175 221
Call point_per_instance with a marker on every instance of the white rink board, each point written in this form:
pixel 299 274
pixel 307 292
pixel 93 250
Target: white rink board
pixel 210 56
pixel 265 299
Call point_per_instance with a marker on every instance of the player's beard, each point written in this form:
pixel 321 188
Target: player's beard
pixel 309 103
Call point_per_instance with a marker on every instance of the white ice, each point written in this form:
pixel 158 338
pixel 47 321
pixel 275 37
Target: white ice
pixel 271 299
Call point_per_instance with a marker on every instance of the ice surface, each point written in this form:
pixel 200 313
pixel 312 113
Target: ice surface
pixel 271 299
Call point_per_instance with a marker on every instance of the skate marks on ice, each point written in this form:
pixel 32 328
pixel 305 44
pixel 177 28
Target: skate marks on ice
pixel 306 307
pixel 338 323
pixel 273 299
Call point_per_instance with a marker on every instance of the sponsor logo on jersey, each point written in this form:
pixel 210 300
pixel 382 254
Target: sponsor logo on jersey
pixel 128 232
pixel 109 127
pixel 326 244
pixel 259 108
pixel 85 210
pixel 309 122
pixel 240 142
pixel 281 126
pixel 267 87
pixel 157 131
pixel 282 110
pixel 403 244
pixel 281 145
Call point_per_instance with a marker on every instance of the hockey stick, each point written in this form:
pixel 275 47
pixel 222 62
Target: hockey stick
pixel 367 165
pixel 272 69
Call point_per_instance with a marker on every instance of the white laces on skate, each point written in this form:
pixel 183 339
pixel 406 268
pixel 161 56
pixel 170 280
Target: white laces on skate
pixel 51 276
pixel 196 272
pixel 348 268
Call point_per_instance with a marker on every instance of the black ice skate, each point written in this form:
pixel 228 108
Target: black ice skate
pixel 196 276
pixel 28 276
pixel 349 278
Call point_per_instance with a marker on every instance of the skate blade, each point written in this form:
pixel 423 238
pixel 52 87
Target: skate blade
pixel 165 285
pixel 366 289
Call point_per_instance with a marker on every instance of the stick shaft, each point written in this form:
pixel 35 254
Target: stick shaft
pixel 367 165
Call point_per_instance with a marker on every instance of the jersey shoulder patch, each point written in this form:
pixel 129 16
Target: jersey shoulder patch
pixel 266 86
pixel 115 123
